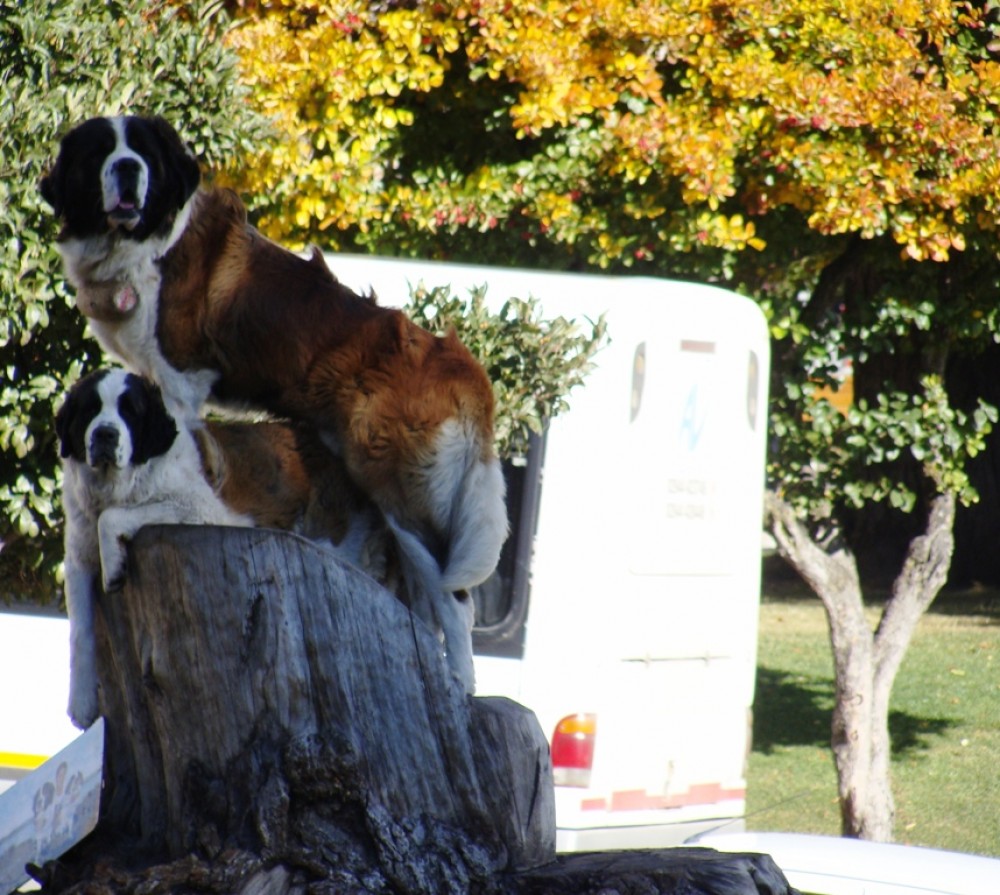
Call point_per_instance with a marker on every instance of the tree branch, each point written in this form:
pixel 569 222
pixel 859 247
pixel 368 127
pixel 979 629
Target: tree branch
pixel 828 572
pixel 924 573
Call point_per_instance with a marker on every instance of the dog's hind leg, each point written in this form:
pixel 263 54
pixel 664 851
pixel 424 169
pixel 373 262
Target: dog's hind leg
pixel 467 501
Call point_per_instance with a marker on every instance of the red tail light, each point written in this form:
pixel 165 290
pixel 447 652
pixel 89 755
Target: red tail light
pixel 573 750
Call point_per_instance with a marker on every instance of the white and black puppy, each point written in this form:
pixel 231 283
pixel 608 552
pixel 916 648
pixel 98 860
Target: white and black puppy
pixel 126 463
pixel 129 462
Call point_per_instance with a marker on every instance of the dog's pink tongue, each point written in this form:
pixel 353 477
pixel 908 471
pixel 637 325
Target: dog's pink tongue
pixel 126 299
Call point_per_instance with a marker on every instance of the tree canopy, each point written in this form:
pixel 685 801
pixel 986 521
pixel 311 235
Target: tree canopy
pixel 814 154
pixel 627 131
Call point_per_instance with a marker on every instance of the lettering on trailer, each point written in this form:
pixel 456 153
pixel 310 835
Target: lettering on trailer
pixel 695 410
pixel 689 498
pixel 692 420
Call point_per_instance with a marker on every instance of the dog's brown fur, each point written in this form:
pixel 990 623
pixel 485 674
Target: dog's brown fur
pixel 287 336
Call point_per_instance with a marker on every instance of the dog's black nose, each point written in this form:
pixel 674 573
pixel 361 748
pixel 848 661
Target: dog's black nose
pixel 103 445
pixel 126 172
pixel 126 167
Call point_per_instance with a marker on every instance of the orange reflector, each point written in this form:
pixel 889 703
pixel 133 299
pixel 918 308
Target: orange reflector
pixel 583 723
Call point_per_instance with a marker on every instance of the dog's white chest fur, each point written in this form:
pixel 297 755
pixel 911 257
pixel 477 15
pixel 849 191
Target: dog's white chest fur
pixel 132 338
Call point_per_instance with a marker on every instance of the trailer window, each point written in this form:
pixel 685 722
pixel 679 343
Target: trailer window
pixel 502 600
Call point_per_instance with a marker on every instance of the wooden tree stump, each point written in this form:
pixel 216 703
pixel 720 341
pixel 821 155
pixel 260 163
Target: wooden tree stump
pixel 278 723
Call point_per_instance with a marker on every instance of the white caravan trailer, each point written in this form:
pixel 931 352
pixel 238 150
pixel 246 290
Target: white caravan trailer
pixel 624 611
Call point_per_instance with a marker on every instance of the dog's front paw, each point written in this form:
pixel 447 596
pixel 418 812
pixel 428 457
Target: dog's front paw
pixel 113 570
pixel 115 528
pixel 83 709
pixel 112 546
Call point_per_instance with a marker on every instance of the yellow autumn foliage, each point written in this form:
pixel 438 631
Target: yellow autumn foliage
pixel 875 117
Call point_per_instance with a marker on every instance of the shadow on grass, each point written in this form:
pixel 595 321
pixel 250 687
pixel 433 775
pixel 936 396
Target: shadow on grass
pixel 795 710
pixel 790 710
pixel 911 733
pixel 963 602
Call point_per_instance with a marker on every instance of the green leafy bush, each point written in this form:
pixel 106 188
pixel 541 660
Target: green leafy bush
pixel 533 363
pixel 65 61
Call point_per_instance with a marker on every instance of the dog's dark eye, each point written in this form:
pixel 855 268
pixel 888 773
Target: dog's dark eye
pixel 131 404
pixel 96 156
pixel 90 405
pixel 90 153
pixel 136 139
pixel 142 143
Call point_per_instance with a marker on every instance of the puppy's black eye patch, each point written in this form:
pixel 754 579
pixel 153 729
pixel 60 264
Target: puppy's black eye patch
pixel 89 154
pixel 73 419
pixel 132 404
pixel 89 406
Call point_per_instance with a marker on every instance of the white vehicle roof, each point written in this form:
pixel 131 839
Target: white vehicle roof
pixel 827 865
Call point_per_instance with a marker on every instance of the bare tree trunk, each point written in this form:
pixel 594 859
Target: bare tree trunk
pixel 866 663
pixel 923 574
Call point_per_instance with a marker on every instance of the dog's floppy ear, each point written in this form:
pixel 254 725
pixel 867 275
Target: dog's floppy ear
pixel 188 173
pixel 179 158
pixel 52 188
pixel 63 417
pixel 158 429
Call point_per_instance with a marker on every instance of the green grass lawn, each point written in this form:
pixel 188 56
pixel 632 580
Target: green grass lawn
pixel 945 724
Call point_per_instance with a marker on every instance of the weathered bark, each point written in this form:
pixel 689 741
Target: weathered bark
pixel 277 724
pixel 866 663
pixel 263 698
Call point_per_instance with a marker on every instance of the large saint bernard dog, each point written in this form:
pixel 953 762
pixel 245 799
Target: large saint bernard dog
pixel 181 289
pixel 126 464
